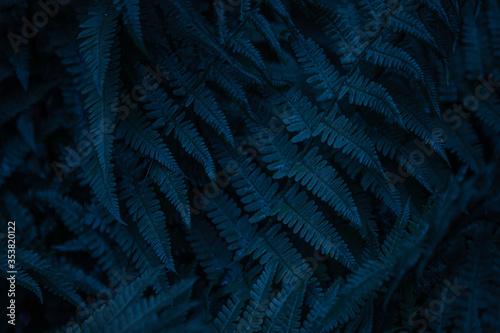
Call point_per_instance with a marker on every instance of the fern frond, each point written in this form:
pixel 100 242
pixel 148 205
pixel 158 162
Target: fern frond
pixel 228 80
pixel 129 311
pixel 354 294
pixel 23 279
pixel 348 42
pixel 464 142
pixel 245 48
pixel 310 170
pixel 234 227
pixel 340 133
pixel 407 22
pixel 397 232
pixel 437 8
pixel 73 216
pixel 488 112
pixel 270 245
pixel 14 103
pixel 230 312
pixel 210 251
pixel 144 207
pixel 471 285
pixel 323 181
pixel 26 128
pixel 285 311
pixel 363 92
pixel 256 190
pixel 297 113
pixel 101 86
pixel 43 271
pixel 97 41
pixel 186 133
pixel 264 27
pixel 164 111
pixel 20 64
pixel 321 74
pixel 386 55
pixel 254 313
pixel 380 186
pixel 138 134
pixel 322 307
pixel 204 103
pixel 14 151
pixel 102 182
pixel 300 214
pixel 131 17
pixel 173 186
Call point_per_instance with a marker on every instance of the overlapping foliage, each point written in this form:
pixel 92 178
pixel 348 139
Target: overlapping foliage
pixel 253 165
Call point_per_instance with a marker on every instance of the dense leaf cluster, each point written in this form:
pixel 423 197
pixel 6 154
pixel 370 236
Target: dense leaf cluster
pixel 252 165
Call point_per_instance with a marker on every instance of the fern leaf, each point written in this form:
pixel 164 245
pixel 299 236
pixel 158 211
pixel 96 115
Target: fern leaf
pixel 353 295
pixel 230 312
pixel 138 134
pixel 24 279
pixel 44 272
pixel 340 133
pixel 210 251
pixel 204 103
pixel 163 110
pixel 386 55
pixel 348 42
pixel 72 215
pixel 464 142
pixel 397 232
pixel 271 245
pixel 193 143
pixel 97 41
pixel 14 152
pixel 321 74
pixel 300 214
pixel 297 113
pixel 322 180
pixel 253 316
pixel 283 315
pixel 244 47
pixel 363 92
pixel 208 109
pixel 20 63
pixel 256 190
pixel 172 185
pixel 235 228
pixel 102 182
pixel 131 17
pixel 264 28
pixel 145 208
pixel 322 306
pixel 26 129
pixel 14 103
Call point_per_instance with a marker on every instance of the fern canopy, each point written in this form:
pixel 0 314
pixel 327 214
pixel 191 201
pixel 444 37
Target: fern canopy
pixel 250 165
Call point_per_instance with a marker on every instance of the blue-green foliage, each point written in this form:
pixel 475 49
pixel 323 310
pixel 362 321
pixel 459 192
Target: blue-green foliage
pixel 246 166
